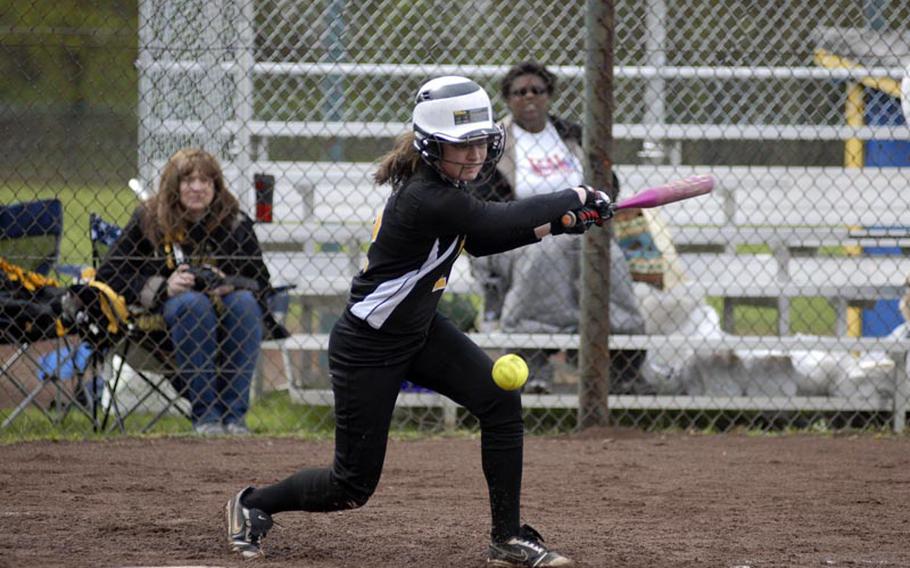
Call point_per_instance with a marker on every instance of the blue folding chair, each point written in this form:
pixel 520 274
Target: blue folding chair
pixel 30 235
pixel 103 235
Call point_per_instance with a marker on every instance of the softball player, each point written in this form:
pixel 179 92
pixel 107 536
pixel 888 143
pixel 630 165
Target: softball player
pixel 391 331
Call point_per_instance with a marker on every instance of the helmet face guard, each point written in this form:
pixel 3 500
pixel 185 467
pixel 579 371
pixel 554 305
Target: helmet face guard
pixel 455 110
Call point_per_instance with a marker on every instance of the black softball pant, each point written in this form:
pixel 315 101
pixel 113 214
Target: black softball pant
pixel 448 363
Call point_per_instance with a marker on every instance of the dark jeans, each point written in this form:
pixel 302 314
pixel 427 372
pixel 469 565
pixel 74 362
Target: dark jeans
pixel 446 362
pixel 215 353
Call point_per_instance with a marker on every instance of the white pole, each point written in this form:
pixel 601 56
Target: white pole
pixel 242 186
pixel 652 150
pixel 144 106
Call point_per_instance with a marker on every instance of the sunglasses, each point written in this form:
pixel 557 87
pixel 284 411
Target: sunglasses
pixel 536 91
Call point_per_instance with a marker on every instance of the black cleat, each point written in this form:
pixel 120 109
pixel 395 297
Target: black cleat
pixel 526 550
pixel 246 527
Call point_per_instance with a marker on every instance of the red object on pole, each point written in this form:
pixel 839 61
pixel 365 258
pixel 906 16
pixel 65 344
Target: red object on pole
pixel 265 193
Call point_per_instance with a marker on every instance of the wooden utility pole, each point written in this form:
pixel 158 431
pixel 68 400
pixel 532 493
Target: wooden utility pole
pixel 595 270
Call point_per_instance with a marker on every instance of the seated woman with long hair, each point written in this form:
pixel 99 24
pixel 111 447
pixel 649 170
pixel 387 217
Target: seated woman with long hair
pixel 191 256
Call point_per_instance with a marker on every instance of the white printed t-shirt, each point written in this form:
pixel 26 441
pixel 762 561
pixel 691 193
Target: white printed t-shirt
pixel 543 162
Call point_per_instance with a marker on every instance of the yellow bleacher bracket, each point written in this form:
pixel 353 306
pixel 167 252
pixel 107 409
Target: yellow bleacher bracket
pixel 824 58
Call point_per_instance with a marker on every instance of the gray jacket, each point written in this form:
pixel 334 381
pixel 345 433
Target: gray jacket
pixel 536 289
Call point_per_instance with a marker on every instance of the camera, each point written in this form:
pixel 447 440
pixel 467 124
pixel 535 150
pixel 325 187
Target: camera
pixel 205 278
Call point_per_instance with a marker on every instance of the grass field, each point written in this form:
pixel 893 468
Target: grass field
pixel 272 414
pixel 809 316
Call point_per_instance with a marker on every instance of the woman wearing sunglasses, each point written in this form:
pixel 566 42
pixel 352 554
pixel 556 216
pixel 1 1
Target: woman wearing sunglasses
pixel 542 154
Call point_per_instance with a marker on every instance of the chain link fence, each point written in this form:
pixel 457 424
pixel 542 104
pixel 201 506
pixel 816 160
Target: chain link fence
pixel 771 303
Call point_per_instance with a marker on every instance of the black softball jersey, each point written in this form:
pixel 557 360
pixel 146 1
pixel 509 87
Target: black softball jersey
pixel 418 236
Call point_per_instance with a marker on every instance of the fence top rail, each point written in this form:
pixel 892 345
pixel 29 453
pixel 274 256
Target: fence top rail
pixel 304 68
pixel 361 130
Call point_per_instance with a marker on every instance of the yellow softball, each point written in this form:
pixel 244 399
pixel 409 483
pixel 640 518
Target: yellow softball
pixel 510 372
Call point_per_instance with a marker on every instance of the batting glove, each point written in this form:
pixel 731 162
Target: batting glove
pixel 604 207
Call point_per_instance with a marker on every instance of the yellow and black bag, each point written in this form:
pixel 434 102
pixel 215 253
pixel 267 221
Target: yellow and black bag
pixel 30 305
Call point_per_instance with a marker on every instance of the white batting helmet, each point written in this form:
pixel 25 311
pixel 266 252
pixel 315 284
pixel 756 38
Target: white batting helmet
pixel 451 110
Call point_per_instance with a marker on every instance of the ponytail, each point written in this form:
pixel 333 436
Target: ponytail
pixel 399 164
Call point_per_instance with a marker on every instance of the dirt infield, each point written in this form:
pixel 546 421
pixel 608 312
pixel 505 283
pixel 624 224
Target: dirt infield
pixel 605 497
